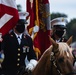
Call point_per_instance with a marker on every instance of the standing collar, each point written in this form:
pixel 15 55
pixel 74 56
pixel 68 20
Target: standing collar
pixel 18 35
pixel 58 40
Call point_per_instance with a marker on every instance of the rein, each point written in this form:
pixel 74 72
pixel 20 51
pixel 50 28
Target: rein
pixel 28 72
pixel 53 60
pixel 23 71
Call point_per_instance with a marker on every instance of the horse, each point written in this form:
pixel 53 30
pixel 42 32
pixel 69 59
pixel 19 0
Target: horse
pixel 56 60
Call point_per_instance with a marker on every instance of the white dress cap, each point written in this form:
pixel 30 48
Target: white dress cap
pixel 59 21
pixel 23 15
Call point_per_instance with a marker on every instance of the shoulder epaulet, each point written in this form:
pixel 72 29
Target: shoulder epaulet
pixel 10 34
pixel 25 35
pixel 62 39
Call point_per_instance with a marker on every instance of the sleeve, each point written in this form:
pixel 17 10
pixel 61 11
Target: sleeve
pixel 31 54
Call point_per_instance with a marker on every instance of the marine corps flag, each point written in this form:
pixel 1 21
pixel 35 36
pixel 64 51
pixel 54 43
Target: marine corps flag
pixel 39 26
pixel 8 15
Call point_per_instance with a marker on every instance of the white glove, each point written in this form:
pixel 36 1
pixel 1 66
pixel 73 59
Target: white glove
pixel 36 29
pixel 31 65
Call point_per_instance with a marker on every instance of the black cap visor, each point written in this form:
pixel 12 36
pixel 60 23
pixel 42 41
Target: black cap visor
pixel 60 26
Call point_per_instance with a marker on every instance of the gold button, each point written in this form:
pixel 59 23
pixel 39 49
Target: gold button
pixel 18 59
pixel 18 49
pixel 18 54
pixel 18 64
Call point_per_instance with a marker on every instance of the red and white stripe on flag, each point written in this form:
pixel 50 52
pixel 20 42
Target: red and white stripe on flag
pixel 8 15
pixel 39 13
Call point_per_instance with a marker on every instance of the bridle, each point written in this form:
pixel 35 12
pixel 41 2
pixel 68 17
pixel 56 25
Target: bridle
pixel 23 71
pixel 54 63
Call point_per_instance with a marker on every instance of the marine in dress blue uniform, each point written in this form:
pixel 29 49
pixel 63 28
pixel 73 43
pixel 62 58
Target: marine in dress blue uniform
pixel 14 52
pixel 59 29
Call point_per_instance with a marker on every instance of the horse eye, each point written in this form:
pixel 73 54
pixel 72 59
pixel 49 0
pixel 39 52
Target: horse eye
pixel 61 60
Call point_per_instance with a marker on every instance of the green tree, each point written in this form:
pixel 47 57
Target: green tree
pixel 71 29
pixel 19 7
pixel 55 15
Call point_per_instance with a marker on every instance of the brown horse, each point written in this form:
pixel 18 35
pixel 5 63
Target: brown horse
pixel 56 60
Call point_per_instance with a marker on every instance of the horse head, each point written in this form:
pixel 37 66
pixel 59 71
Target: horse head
pixel 56 60
pixel 62 58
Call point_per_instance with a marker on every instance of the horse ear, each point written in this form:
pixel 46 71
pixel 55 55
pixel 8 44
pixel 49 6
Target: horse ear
pixel 69 40
pixel 53 42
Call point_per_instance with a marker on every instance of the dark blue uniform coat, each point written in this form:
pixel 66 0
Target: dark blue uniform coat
pixel 15 54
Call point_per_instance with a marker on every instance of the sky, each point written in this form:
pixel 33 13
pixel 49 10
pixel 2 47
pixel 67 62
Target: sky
pixel 67 7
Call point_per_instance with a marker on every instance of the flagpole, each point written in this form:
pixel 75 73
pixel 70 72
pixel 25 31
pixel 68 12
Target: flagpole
pixel 37 23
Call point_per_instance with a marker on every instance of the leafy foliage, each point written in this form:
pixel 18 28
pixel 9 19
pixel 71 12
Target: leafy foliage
pixel 71 29
pixel 19 7
pixel 55 15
